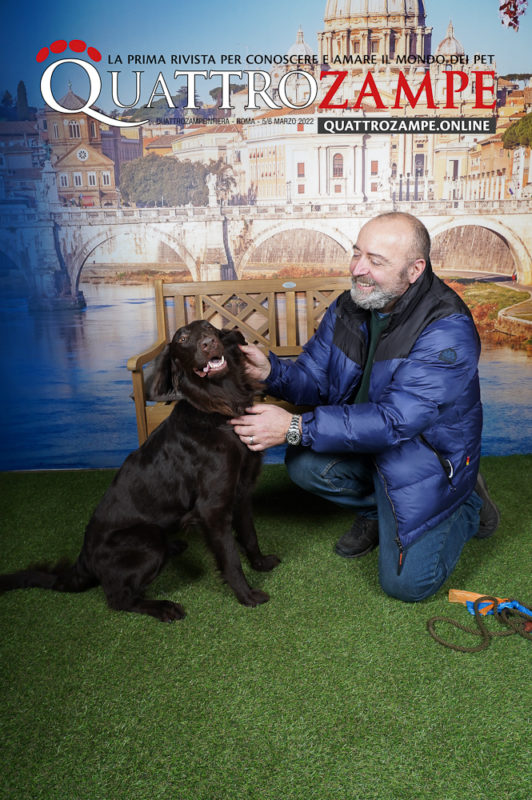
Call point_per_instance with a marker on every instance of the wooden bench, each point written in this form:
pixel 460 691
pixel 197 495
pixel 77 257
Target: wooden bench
pixel 278 315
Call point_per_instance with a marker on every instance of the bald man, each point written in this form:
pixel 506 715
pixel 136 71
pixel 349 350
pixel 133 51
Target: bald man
pixel 395 432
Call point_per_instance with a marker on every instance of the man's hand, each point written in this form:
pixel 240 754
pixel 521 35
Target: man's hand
pixel 257 363
pixel 262 426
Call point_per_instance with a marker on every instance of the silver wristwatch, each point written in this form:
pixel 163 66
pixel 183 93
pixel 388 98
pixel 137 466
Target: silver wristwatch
pixel 293 434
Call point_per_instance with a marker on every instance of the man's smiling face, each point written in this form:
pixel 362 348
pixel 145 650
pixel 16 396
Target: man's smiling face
pixel 383 264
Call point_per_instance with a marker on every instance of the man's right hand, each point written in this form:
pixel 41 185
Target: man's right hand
pixel 258 365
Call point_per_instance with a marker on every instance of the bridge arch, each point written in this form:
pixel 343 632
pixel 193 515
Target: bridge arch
pixel 322 228
pixel 80 254
pixel 517 247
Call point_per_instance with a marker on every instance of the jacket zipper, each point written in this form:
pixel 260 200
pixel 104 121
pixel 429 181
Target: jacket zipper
pixel 398 542
pixel 446 465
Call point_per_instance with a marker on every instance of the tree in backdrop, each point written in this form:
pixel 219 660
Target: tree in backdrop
pixel 6 106
pixel 165 181
pixel 160 109
pixel 23 110
pixel 510 11
pixel 216 94
pixel 11 109
pixel 225 181
pixel 520 133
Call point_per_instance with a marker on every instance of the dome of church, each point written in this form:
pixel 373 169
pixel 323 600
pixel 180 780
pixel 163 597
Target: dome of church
pixel 450 46
pixel 345 9
pixel 300 47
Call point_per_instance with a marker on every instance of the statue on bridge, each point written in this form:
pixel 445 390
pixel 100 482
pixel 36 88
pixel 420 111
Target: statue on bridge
pixel 211 180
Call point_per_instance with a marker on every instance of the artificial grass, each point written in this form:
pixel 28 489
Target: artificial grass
pixel 330 691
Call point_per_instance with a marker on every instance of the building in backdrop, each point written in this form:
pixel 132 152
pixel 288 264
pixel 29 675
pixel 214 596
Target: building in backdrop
pixel 292 184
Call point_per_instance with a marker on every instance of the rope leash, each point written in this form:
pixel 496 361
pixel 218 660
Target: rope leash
pixel 514 619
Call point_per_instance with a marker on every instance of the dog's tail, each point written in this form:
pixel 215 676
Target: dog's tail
pixel 61 577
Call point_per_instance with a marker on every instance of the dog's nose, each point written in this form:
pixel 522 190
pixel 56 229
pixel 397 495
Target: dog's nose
pixel 207 342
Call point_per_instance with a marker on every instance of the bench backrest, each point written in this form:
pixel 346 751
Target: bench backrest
pixel 281 315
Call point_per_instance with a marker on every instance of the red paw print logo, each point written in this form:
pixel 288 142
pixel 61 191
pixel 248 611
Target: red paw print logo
pixel 76 45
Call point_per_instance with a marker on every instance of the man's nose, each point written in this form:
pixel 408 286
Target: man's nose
pixel 359 266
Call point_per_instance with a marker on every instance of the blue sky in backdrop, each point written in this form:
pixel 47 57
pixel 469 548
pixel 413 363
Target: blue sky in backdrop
pixel 202 26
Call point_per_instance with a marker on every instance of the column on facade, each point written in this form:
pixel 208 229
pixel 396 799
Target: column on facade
pixel 328 46
pixel 352 167
pixel 344 43
pixel 401 156
pixel 419 42
pixel 386 50
pixel 326 185
pixel 409 156
pixel 430 156
pixel 364 43
pixel 322 171
pixel 400 43
pixel 360 192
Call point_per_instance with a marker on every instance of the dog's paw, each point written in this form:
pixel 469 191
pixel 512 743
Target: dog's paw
pixel 254 598
pixel 265 563
pixel 168 611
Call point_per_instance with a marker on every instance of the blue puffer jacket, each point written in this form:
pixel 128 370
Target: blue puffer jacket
pixel 423 421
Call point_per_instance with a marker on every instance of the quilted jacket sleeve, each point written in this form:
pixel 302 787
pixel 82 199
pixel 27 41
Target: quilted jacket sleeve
pixel 306 380
pixel 441 367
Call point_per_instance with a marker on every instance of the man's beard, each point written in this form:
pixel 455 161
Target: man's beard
pixel 378 298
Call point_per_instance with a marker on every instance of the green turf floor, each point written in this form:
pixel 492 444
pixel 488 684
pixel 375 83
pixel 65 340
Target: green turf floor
pixel 331 691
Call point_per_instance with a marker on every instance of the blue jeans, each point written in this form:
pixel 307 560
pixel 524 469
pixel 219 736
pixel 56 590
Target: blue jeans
pixel 351 481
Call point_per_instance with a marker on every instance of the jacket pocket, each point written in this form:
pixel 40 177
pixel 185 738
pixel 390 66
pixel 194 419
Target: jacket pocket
pixel 445 463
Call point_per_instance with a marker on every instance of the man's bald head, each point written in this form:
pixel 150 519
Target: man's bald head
pixel 420 235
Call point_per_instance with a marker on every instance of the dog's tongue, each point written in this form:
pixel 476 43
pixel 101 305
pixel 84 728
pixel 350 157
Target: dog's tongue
pixel 211 366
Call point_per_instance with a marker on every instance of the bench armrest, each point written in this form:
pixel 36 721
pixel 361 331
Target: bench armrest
pixel 135 363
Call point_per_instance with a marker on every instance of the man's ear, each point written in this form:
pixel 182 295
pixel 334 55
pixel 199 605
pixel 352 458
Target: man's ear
pixel 415 269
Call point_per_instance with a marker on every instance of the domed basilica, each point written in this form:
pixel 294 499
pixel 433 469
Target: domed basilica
pixel 374 27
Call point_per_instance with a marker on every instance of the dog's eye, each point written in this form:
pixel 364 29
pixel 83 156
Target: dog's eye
pixel 183 339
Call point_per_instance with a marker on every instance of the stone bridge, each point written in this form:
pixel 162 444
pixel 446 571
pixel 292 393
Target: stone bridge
pixel 51 247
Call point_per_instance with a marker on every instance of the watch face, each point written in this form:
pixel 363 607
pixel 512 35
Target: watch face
pixel 82 154
pixel 293 437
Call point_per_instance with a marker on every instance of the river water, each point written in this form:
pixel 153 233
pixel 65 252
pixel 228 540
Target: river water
pixel 65 399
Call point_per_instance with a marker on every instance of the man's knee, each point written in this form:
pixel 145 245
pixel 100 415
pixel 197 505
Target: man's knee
pixel 301 466
pixel 408 588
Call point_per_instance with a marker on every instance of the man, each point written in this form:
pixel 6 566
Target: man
pixel 395 432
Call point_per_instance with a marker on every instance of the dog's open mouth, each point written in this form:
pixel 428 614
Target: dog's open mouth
pixel 211 367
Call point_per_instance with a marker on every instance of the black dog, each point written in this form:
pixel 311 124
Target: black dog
pixel 193 469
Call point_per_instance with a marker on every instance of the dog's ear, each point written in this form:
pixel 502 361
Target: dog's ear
pixel 160 381
pixel 233 336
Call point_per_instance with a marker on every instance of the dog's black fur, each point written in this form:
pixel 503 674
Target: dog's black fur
pixel 193 469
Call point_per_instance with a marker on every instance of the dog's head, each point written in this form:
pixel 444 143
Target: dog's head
pixel 205 366
pixel 200 349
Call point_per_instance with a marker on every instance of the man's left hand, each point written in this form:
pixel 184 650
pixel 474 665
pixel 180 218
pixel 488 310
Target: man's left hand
pixel 262 426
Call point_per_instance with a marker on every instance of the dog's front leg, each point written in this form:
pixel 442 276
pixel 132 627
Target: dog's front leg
pixel 247 536
pixel 223 545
